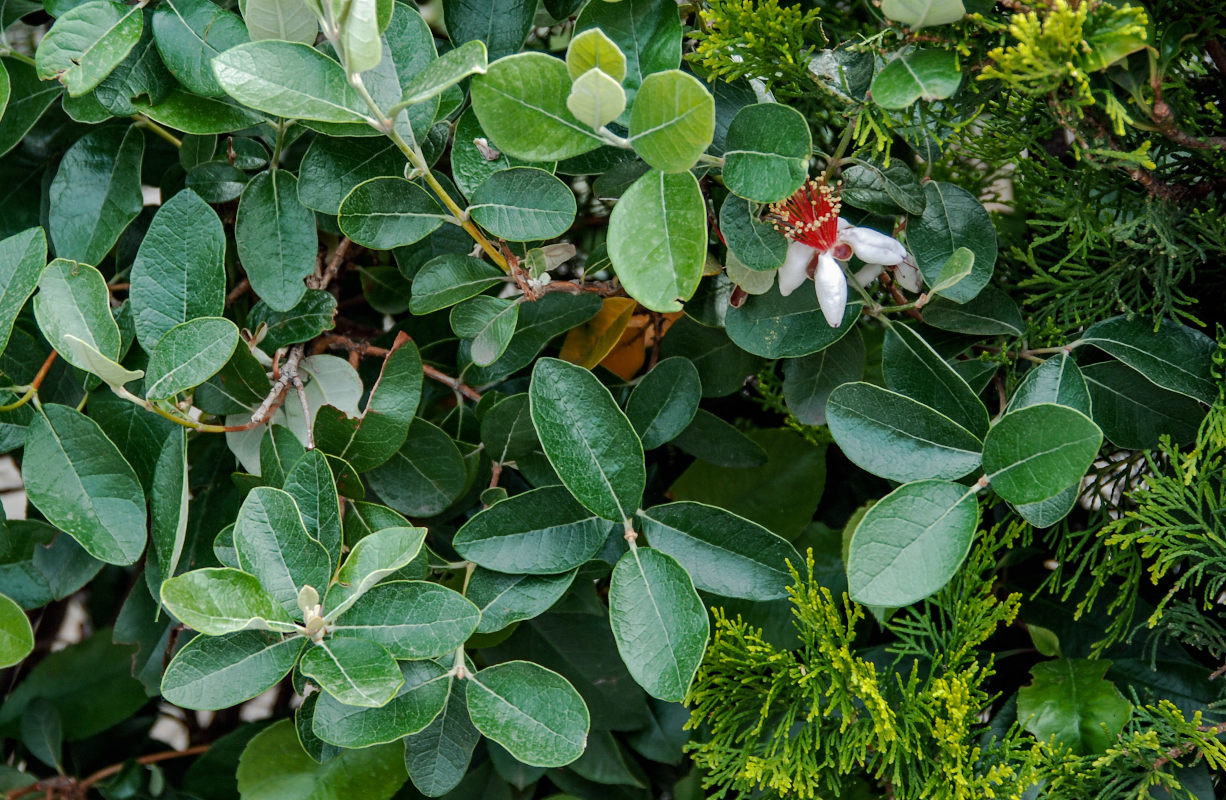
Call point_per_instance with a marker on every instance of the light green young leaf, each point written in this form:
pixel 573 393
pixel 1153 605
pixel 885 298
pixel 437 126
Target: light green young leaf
pixel 1070 700
pixel 371 560
pixel 672 120
pixel 188 355
pixel 413 619
pixel 215 672
pixel 658 621
pixel 418 701
pixel 444 72
pixel 540 532
pixel 911 542
pixel 592 49
pixel 287 20
pixel 179 273
pixel 648 33
pixel 658 239
pixel 113 373
pixel 595 98
pixel 359 35
pixel 521 103
pixel 489 322
pixel 168 503
pixel 273 545
pixel 16 635
pixel 960 265
pixel 357 672
pixel 87 43
pixel 928 74
pixel 920 13
pixel 531 711
pixel 290 80
pixel 73 301
pixel 587 438
pixel 1034 453
pixel 522 204
pixel 219 600
pixel 723 553
pixel 81 483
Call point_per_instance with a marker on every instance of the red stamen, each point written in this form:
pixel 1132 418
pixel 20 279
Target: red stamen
pixel 810 216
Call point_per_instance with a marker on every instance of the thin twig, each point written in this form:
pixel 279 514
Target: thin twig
pixel 334 264
pixel 74 787
pixel 240 289
pixel 338 342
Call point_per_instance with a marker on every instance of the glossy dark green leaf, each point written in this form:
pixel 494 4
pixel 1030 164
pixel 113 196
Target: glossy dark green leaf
pixel 1175 357
pixel 756 244
pixel 717 442
pixel 189 354
pixel 722 365
pixel 28 98
pixel 311 316
pixel 723 553
pixel 77 478
pixel 507 599
pixel 664 401
pixel 424 476
pixel 588 440
pixel 190 34
pixel 775 326
pixel 1057 380
pixel 658 621
pixel 913 368
pixel 541 532
pixel 194 114
pixel 73 304
pixel 766 152
pixel 275 767
pixel 521 103
pixel 883 190
pixel 42 729
pixel 383 213
pixel 989 313
pixel 418 701
pixel 953 218
pixel 489 322
pixel 412 619
pixel 911 542
pixel 438 756
pixel 141 74
pixel 289 80
pixel 1034 453
pixel 531 711
pixel 450 278
pixel 179 271
pixel 276 239
pixel 87 43
pixel 168 504
pixel 891 435
pixel 357 672
pixel 540 321
pixel 1070 701
pixel 310 483
pixel 1134 413
pixel 501 24
pixel 658 239
pixel 216 181
pixel 220 600
pixel 808 381
pixel 333 166
pixel 522 204
pixel 96 192
pixel 214 672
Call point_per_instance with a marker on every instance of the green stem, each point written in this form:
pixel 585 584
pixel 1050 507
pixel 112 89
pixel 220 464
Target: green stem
pixel 837 157
pixel 157 129
pixel 22 57
pixel 21 401
pixel 276 151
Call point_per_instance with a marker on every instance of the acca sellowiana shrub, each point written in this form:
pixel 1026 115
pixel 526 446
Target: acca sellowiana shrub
pixel 612 399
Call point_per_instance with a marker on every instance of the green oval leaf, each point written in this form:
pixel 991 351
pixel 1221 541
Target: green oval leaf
pixel 672 120
pixel 81 483
pixel 489 322
pixel 188 355
pixel 179 272
pixel 596 99
pixel 809 380
pixel 418 701
pixel 450 278
pixel 383 213
pixel 1036 452
pixel 438 756
pixel 540 532
pixel 531 711
pixel 86 43
pixel 920 13
pixel 927 74
pixel 273 545
pixel 523 203
pixel 372 559
pixel 767 152
pixel 287 20
pixel 658 239
pixel 333 166
pixel 587 439
pixel 989 313
pixel 658 621
pixel 215 672
pixel 1174 357
pixel 276 238
pixel 521 103
pixel 22 258
pixel 664 401
pixel 911 367
pixel 756 244
pixel 592 49
pixel 723 553
pixel 96 193
pixel 1133 413
pixel 357 672
pixel 647 32
pixel 424 476
pixel 16 635
pixel 911 542
pixel 220 600
pixel 189 35
pixel 446 71
pixel 73 303
pixel 953 218
pixel 289 80
pixel 775 326
pixel 411 619
pixel 507 599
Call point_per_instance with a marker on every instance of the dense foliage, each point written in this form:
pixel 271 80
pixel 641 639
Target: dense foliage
pixel 433 401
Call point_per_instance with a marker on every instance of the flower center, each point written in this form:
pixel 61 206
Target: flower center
pixel 810 216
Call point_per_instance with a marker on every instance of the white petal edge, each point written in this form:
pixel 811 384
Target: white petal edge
pixel 831 289
pixel 795 269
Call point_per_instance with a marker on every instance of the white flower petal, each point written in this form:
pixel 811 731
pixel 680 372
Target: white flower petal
pixel 867 274
pixel 831 289
pixel 795 269
pixel 874 247
pixel 908 275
